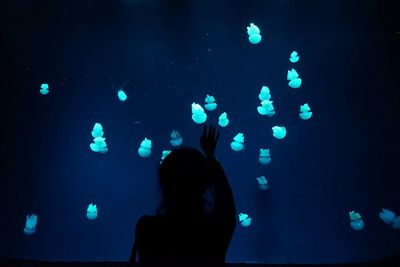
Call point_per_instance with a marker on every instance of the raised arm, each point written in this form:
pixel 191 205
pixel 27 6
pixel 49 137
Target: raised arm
pixel 224 206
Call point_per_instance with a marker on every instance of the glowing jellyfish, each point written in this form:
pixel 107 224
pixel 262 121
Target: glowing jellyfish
pixel 97 130
pixel 266 108
pixel 262 183
pixel 294 57
pixel 244 219
pixel 387 216
pixel 176 139
pixel 305 112
pixel 30 224
pixel 91 212
pixel 292 74
pixel 396 223
pixel 99 145
pixel 356 222
pixel 293 78
pixel 279 132
pixel 238 142
pixel 198 114
pixel 121 95
pixel 264 157
pixel 164 154
pixel 264 94
pixel 210 103
pixel 44 89
pixel 145 148
pixel 254 34
pixel 223 120
pixel 295 83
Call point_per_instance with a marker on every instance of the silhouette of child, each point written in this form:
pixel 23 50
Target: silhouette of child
pixel 184 232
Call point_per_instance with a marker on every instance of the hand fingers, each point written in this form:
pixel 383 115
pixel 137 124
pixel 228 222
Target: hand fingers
pixel 204 130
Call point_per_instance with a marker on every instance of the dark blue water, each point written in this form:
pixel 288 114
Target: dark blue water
pixel 167 55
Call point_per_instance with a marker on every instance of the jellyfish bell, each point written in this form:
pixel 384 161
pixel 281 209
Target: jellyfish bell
pixel 255 38
pixel 121 95
pixel 295 83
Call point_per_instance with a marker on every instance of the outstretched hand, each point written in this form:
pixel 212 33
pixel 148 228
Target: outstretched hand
pixel 209 140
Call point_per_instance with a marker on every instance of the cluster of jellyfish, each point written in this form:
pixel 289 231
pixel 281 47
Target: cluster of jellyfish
pixel 387 216
pixel 199 115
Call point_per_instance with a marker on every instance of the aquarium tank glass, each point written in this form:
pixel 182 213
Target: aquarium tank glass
pixel 305 95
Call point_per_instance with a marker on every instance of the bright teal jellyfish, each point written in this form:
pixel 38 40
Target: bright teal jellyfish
pixel 254 34
pixel 30 224
pixel 164 153
pixel 292 74
pixel 198 114
pixel 244 219
pixel 91 212
pixel 305 112
pixel 293 78
pixel 210 103
pixel 238 142
pixel 223 120
pixel 295 83
pixel 294 57
pixel 264 94
pixel 121 95
pixel 387 216
pixel 356 222
pixel 262 183
pixel 396 223
pixel 145 148
pixel 176 139
pixel 266 108
pixel 44 89
pixel 264 157
pixel 99 145
pixel 279 132
pixel 97 130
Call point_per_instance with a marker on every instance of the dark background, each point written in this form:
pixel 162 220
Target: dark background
pixel 167 55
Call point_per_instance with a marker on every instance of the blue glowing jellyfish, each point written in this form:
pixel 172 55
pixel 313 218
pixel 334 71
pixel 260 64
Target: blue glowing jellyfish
pixel 145 148
pixel 30 224
pixel 264 157
pixel 99 145
pixel 262 183
pixel 210 103
pixel 264 94
pixel 164 153
pixel 121 95
pixel 238 142
pixel 244 219
pixel 266 108
pixel 91 212
pixel 198 114
pixel 305 112
pixel 176 139
pixel 387 216
pixel 97 130
pixel 294 57
pixel 279 132
pixel 223 120
pixel 44 89
pixel 293 78
pixel 295 83
pixel 254 34
pixel 396 223
pixel 292 74
pixel 356 222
